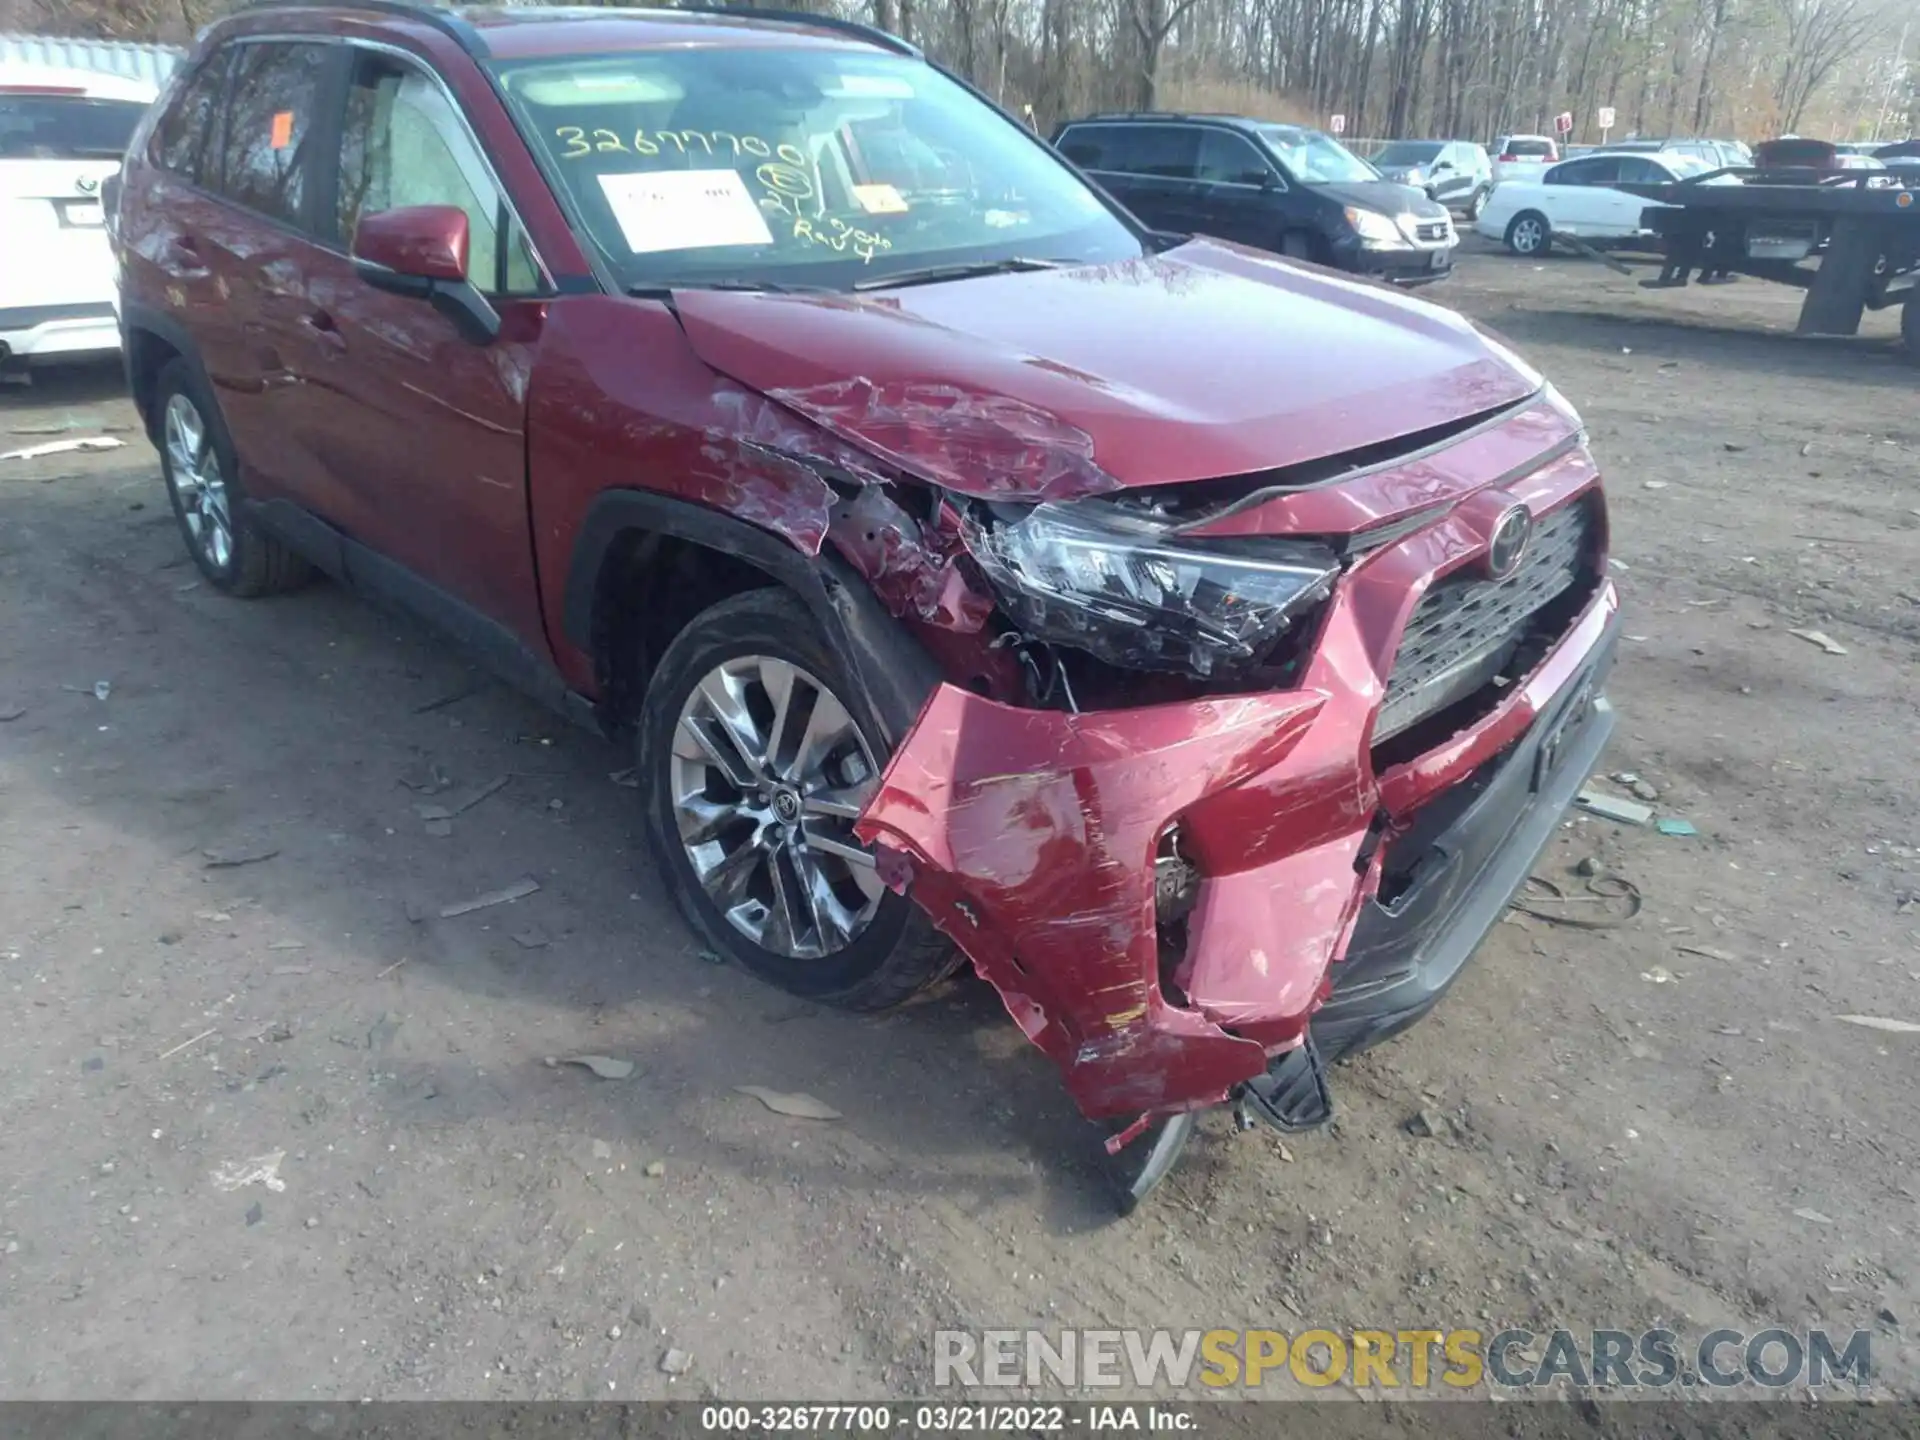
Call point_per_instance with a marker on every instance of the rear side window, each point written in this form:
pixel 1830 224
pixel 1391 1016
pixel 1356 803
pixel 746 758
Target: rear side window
pixel 65 127
pixel 1603 170
pixel 1167 150
pixel 185 135
pixel 271 112
pixel 405 144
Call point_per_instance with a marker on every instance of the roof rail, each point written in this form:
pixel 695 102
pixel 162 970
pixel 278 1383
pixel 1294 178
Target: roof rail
pixel 452 23
pixel 448 22
pixel 873 34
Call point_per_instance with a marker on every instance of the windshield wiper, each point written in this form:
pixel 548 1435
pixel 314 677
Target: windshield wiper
pixel 956 272
pixel 768 287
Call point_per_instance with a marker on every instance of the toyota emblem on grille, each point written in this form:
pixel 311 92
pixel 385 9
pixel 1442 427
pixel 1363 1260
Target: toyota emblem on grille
pixel 1509 542
pixel 86 184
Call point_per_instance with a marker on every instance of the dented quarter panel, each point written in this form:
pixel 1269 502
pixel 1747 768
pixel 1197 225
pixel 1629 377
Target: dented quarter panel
pixel 1260 365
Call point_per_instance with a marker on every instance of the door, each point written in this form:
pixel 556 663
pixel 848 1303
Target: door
pixel 1148 168
pixel 421 431
pixel 1616 212
pixel 1575 194
pixel 1242 195
pixel 1452 181
pixel 231 247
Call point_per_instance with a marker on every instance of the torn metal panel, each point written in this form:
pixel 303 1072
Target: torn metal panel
pixel 1032 835
pixel 978 443
pixel 915 569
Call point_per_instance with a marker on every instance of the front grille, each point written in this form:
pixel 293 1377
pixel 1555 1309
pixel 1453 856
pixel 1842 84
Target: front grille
pixel 1433 232
pixel 1465 629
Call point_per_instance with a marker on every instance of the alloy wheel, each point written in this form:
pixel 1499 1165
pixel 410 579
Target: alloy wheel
pixel 1527 235
pixel 768 773
pixel 193 465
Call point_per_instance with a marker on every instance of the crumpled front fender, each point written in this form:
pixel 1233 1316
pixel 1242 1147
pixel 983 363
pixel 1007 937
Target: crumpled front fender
pixel 1031 837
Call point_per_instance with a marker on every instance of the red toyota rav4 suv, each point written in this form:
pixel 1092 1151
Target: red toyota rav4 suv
pixel 1203 643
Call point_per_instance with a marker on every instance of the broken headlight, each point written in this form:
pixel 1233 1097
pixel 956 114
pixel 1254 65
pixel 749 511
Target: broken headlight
pixel 1131 593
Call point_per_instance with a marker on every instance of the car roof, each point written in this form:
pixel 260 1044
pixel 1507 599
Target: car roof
pixel 1154 117
pixel 90 84
pixel 515 32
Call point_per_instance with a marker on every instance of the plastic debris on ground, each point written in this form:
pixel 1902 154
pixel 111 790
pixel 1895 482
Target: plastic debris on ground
pixel 801 1107
pixel 1614 807
pixel 63 447
pixel 1820 637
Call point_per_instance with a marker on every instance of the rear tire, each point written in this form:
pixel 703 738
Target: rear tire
pixel 739 784
pixel 203 483
pixel 1297 245
pixel 1529 235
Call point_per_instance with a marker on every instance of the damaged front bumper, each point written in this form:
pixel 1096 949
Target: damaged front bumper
pixel 1030 836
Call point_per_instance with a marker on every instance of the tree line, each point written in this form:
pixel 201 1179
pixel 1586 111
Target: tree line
pixel 1456 69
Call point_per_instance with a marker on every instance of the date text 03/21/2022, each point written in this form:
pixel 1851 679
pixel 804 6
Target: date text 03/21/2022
pixel 945 1419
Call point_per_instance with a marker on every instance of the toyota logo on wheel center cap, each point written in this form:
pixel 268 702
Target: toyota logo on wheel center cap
pixel 1509 542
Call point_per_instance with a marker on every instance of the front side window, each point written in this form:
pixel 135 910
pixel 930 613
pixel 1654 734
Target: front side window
pixel 1229 159
pixel 271 108
pixel 403 143
pixel 731 165
pixel 185 134
pixel 1314 158
pixel 65 127
pixel 1410 152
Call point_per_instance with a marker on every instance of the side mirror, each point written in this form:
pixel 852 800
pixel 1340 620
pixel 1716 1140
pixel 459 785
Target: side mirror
pixel 421 251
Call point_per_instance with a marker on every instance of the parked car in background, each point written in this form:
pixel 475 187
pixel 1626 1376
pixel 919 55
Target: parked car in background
pixel 1713 154
pixel 1522 157
pixel 1577 198
pixel 62 135
pixel 1284 188
pixel 1456 173
pixel 1208 645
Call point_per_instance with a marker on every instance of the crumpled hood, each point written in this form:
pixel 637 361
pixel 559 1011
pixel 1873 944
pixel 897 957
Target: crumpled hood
pixel 1208 360
pixel 1389 197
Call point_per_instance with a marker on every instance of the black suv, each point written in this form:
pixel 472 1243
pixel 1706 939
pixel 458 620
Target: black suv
pixel 1279 187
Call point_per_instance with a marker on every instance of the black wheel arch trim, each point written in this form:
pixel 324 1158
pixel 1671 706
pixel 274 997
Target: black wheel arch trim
pixel 174 335
pixel 892 671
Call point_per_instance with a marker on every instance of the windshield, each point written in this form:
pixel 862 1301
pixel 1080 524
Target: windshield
pixel 1408 152
pixel 66 127
pixel 805 167
pixel 1312 157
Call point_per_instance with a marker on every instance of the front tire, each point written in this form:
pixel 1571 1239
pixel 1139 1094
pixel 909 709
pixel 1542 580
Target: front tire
pixel 757 758
pixel 202 475
pixel 1529 235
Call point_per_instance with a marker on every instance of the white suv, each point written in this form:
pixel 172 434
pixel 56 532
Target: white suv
pixel 62 134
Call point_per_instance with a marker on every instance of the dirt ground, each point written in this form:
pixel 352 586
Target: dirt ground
pixel 1659 1123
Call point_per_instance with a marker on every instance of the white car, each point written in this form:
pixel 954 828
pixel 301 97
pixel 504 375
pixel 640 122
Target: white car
pixel 1523 157
pixel 1576 197
pixel 62 134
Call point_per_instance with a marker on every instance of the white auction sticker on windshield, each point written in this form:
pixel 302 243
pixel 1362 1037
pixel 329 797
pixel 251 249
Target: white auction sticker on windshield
pixel 684 210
